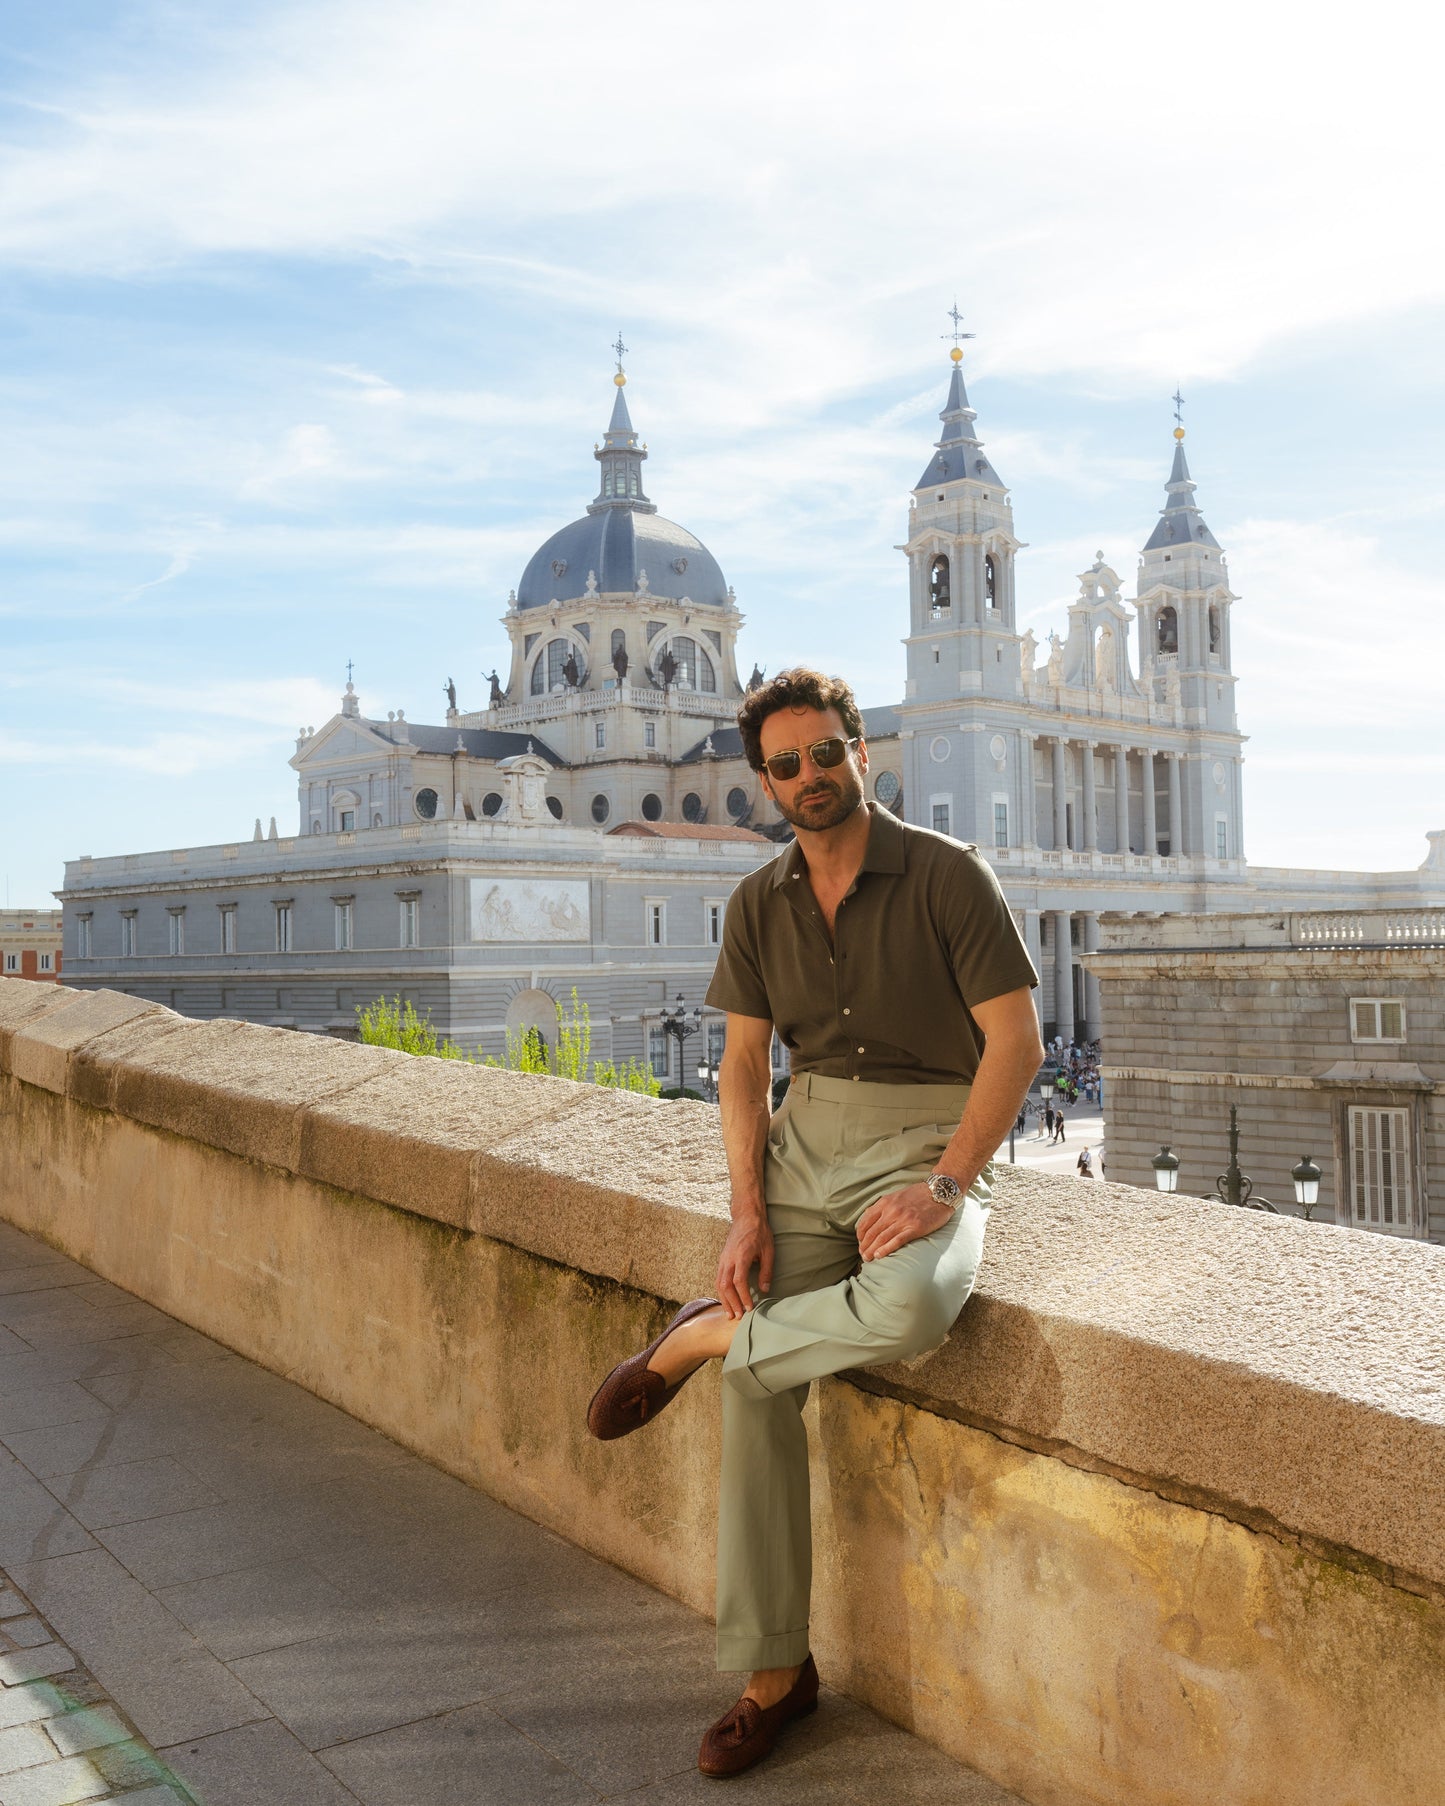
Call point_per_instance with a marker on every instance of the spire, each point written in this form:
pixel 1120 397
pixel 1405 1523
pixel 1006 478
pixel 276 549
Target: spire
pixel 959 454
pixel 620 455
pixel 1180 522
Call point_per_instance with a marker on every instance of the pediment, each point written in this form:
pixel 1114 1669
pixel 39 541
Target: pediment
pixel 343 737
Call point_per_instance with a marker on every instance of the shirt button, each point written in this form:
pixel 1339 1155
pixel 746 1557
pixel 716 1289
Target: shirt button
pixel 847 1012
pixel 855 1078
pixel 860 1050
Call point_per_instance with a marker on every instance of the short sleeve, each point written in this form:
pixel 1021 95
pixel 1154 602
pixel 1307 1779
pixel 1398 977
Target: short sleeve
pixel 984 944
pixel 737 981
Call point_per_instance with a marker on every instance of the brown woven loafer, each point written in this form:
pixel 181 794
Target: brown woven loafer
pixel 747 1731
pixel 632 1394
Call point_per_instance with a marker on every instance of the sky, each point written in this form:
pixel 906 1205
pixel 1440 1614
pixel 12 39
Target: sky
pixel 305 313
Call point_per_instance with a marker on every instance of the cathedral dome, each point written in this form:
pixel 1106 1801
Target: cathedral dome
pixel 622 541
pixel 619 545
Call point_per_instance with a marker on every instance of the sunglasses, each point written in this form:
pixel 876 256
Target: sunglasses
pixel 785 766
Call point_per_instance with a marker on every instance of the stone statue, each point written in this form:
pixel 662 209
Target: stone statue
pixel 499 695
pixel 643 586
pixel 571 676
pixel 1056 659
pixel 755 682
pixel 619 662
pixel 667 666
pixel 1104 660
pixel 451 690
pixel 591 583
pixel 1028 653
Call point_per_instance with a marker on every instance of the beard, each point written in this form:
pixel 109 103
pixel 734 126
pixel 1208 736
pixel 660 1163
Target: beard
pixel 824 804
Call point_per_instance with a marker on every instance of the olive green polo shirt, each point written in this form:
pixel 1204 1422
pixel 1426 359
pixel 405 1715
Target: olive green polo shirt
pixel 922 934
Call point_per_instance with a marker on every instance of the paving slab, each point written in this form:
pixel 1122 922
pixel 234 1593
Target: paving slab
pixel 239 1594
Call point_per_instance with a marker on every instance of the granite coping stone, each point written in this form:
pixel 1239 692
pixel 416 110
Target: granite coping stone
pixel 1290 1375
pixel 40 1049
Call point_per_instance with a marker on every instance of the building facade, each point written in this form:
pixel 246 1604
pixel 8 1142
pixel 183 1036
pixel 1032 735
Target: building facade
pixel 1326 1031
pixel 1102 779
pixel 31 944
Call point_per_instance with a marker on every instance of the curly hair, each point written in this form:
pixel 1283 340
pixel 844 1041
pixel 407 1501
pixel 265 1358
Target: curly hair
pixel 798 688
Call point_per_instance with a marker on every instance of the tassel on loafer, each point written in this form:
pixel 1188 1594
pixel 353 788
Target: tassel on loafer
pixel 747 1731
pixel 632 1394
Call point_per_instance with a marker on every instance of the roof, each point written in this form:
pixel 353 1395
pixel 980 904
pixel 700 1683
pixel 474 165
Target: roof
pixel 618 544
pixel 1180 522
pixel 960 452
pixel 682 830
pixel 477 742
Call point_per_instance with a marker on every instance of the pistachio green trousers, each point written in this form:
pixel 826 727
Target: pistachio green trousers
pixel 835 1146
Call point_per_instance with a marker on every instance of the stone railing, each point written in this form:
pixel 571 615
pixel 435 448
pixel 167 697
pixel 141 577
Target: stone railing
pixel 1160 1523
pixel 1262 928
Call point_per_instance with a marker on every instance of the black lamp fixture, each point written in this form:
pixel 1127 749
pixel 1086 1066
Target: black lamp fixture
pixel 1235 1187
pixel 681 1024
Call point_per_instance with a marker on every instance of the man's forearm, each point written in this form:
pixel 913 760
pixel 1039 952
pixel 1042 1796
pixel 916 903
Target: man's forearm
pixel 1000 1085
pixel 744 1096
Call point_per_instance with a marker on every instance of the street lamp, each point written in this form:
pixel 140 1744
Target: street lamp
pixel 1235 1187
pixel 680 1025
pixel 707 1074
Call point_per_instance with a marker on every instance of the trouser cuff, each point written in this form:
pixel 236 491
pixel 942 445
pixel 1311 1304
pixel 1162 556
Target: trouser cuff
pixel 739 1654
pixel 737 1370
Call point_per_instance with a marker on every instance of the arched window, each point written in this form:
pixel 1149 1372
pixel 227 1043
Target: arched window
pixel 694 667
pixel 607 481
pixel 990 580
pixel 619 641
pixel 1215 635
pixel 548 673
pixel 1166 631
pixel 939 595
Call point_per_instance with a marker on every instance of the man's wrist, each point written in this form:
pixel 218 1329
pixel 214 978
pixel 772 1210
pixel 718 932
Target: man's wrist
pixel 945 1190
pixel 748 1210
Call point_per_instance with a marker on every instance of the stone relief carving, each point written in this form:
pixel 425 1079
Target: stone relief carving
pixel 525 909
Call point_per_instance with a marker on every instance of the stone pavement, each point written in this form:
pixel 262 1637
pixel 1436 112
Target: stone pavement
pixel 222 1590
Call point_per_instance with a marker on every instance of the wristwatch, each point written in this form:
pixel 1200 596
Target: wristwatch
pixel 944 1189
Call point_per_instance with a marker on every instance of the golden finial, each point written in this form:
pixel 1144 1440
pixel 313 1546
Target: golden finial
pixel 620 380
pixel 957 354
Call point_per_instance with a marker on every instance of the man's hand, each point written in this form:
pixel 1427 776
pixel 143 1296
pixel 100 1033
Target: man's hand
pixel 749 1244
pixel 899 1217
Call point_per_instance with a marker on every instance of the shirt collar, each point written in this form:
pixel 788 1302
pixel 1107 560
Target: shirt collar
pixel 885 851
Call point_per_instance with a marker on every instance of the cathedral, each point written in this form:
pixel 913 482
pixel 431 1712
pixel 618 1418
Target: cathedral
pixel 1099 772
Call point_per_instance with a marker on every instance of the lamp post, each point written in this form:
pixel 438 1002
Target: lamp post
pixel 707 1075
pixel 681 1025
pixel 1235 1187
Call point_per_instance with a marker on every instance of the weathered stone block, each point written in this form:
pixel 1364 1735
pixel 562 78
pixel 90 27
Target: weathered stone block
pixel 22 1000
pixel 41 1050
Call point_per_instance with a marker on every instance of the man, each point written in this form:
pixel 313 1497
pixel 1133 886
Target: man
pixel 888 962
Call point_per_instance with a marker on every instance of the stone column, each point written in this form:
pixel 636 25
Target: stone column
pixel 980 603
pixel 1091 983
pixel 1033 942
pixel 1063 977
pixel 1091 807
pixel 1028 830
pixel 1151 807
pixel 1121 798
pixel 1061 819
pixel 1176 808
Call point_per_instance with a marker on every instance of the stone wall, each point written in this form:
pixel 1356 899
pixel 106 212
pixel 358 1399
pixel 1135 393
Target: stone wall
pixel 1159 1524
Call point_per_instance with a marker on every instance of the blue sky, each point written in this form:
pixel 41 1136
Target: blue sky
pixel 304 316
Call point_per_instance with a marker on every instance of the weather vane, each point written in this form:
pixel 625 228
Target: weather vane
pixel 1178 401
pixel 957 334
pixel 621 351
pixel 348 670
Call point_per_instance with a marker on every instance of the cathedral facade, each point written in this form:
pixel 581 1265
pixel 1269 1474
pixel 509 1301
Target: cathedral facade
pixel 1101 773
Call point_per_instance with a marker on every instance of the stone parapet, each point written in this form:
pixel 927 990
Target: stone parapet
pixel 1159 1522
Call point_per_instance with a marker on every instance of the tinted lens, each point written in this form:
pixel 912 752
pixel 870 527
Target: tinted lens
pixel 784 765
pixel 828 753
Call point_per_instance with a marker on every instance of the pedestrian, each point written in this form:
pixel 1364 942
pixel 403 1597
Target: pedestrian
pixel 1059 1127
pixel 858 1210
pixel 1049 1117
pixel 1084 1165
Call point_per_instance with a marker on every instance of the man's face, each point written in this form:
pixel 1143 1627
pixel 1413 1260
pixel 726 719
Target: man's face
pixel 816 798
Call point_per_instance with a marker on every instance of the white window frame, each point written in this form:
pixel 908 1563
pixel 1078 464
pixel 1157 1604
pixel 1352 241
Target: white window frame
pixel 935 803
pixel 83 941
pixel 1380 1149
pixel 176 932
pixel 714 913
pixel 649 735
pixel 409 922
pixel 1374 1008
pixel 654 921
pixel 128 940
pixel 46 964
pixel 228 928
pixel 284 927
pixel 659 1051
pixel 599 735
pixel 1000 801
pixel 345 927
pixel 1221 837
pixel 12 962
